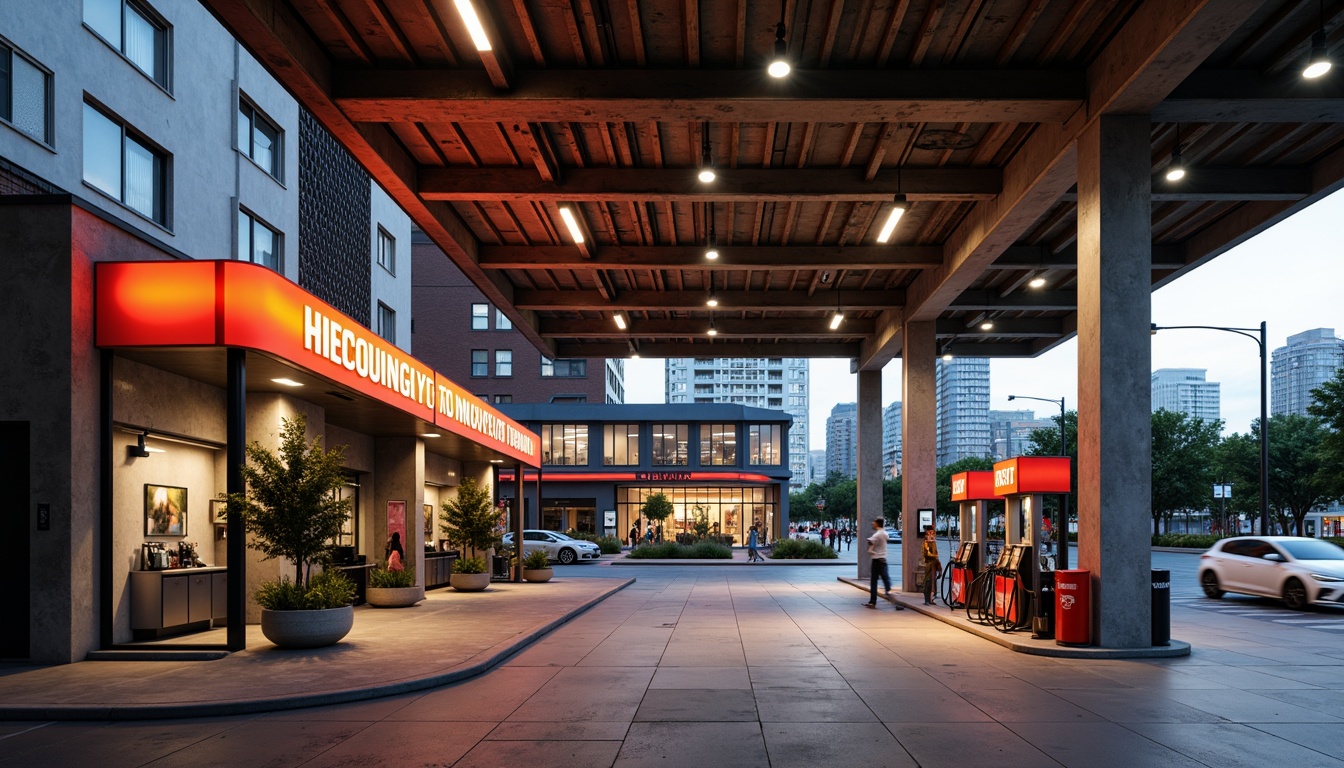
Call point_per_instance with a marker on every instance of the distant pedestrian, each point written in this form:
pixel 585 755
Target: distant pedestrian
pixel 634 534
pixel 648 535
pixel 752 555
pixel 932 566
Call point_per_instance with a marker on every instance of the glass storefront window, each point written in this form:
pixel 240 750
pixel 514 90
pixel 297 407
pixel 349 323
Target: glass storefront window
pixel 718 445
pixel 564 444
pixel 670 444
pixel 563 514
pixel 731 510
pixel 763 444
pixel 620 445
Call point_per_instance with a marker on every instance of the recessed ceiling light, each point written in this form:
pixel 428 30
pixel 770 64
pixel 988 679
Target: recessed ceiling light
pixel 431 434
pixel 287 382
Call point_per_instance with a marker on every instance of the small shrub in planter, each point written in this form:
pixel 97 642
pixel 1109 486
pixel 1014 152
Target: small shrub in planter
pixel 469 574
pixel 805 549
pixel 610 545
pixel 469 565
pixel 393 589
pixel 381 578
pixel 328 589
pixel 705 550
pixel 536 560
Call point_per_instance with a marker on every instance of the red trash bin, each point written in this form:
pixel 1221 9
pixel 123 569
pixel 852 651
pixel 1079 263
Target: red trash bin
pixel 1073 607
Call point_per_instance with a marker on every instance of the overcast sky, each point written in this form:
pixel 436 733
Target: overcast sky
pixel 1291 276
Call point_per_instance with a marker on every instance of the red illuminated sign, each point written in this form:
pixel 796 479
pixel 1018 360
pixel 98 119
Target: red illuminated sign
pixel 640 477
pixel 974 486
pixel 1032 474
pixel 237 304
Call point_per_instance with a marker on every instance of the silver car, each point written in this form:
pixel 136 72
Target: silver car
pixel 1300 571
pixel 558 546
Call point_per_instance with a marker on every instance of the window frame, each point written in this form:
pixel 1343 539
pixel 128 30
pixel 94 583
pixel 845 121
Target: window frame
pixel 483 363
pixel 502 321
pixel 163 161
pixel 386 257
pixel 162 57
pixel 256 221
pixel 679 453
pixel 10 51
pixel 277 151
pixel 549 441
pixel 709 457
pixel 755 442
pixel 503 363
pixel 384 312
pixel 484 316
pixel 569 365
pixel 625 434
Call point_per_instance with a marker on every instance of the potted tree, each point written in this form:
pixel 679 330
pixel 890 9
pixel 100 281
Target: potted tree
pixel 657 508
pixel 469 523
pixel 291 511
pixel 393 589
pixel 536 567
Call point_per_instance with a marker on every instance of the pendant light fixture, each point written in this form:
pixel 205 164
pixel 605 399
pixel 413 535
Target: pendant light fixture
pixel 619 317
pixel 1037 280
pixel 713 300
pixel 711 246
pixel 779 63
pixel 839 316
pixel 712 330
pixel 707 174
pixel 1318 63
pixel 1176 168
pixel 899 206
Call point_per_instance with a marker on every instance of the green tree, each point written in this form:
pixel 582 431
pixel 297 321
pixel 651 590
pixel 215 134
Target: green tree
pixel 1328 406
pixel 947 508
pixel 1295 484
pixel 291 507
pixel 657 508
pixel 470 519
pixel 891 502
pixel 842 497
pixel 1183 452
pixel 1236 460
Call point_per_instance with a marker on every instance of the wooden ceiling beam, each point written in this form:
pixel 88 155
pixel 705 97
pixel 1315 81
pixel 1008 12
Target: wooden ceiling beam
pixel 708 348
pixel 1031 257
pixel 727 327
pixel 729 301
pixel 1025 301
pixel 731 257
pixel 1010 327
pixel 1148 58
pixel 1238 96
pixel 680 184
pixel 951 96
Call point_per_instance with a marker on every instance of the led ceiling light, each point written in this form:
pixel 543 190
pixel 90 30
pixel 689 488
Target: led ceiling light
pixel 287 382
pixel 473 22
pixel 1176 168
pixel 837 319
pixel 1319 61
pixel 431 434
pixel 712 330
pixel 988 325
pixel 706 174
pixel 1038 281
pixel 713 300
pixel 779 63
pixel 898 209
pixel 572 224
pixel 619 317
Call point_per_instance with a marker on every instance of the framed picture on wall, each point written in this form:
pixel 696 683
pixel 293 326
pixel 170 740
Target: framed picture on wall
pixel 429 522
pixel 217 511
pixel 396 521
pixel 165 510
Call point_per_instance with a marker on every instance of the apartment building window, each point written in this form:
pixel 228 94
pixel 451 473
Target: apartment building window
pixel 387 323
pixel 135 30
pixel 257 242
pixel 564 444
pixel 387 251
pixel 259 139
pixel 480 363
pixel 502 321
pixel 499 399
pixel 718 444
pixel 503 362
pixel 670 444
pixel 763 444
pixel 25 94
pixel 620 445
pixel 480 317
pixel 564 369
pixel 124 165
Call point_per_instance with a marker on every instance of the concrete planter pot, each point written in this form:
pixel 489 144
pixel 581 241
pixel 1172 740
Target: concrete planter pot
pixel 307 629
pixel 538 575
pixel 469 582
pixel 394 597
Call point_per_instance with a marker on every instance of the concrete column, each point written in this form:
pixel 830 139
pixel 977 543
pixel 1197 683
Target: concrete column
pixel 919 431
pixel 399 475
pixel 869 459
pixel 1114 365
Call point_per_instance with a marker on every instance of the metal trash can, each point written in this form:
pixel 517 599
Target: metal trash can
pixel 1161 607
pixel 1073 607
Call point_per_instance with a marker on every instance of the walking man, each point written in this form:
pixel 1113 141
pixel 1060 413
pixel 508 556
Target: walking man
pixel 877 549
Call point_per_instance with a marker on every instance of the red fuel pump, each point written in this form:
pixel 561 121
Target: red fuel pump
pixel 974 491
pixel 1022 482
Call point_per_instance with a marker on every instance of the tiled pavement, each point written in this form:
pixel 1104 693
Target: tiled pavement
pixel 783 666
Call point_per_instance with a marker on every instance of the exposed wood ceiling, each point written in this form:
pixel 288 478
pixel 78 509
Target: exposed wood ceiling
pixel 970 108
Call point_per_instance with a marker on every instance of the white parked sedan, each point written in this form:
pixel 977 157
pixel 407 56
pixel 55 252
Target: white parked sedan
pixel 558 546
pixel 1300 571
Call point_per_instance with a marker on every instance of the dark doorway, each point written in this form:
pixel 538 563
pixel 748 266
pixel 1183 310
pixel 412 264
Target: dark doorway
pixel 14 540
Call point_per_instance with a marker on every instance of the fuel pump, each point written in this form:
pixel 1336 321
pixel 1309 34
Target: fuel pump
pixel 1017 588
pixel 974 491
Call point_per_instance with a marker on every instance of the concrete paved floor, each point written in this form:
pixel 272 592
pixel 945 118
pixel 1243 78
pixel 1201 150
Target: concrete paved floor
pixel 784 666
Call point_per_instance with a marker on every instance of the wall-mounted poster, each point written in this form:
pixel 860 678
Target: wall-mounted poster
pixel 165 510
pixel 396 521
pixel 429 522
pixel 217 511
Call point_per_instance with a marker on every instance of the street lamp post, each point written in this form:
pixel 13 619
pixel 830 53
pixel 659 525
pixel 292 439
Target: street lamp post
pixel 1259 339
pixel 1062 560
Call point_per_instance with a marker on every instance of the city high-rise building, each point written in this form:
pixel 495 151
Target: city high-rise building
pixel 842 440
pixel 816 466
pixel 1308 360
pixel 1184 390
pixel 891 440
pixel 1011 432
pixel 780 383
pixel 963 409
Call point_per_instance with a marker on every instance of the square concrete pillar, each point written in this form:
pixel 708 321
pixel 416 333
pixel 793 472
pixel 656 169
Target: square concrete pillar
pixel 1114 365
pixel 919 432
pixel 399 475
pixel 869 460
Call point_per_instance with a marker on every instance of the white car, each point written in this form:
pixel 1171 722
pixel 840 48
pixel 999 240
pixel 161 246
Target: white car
pixel 1300 571
pixel 558 546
